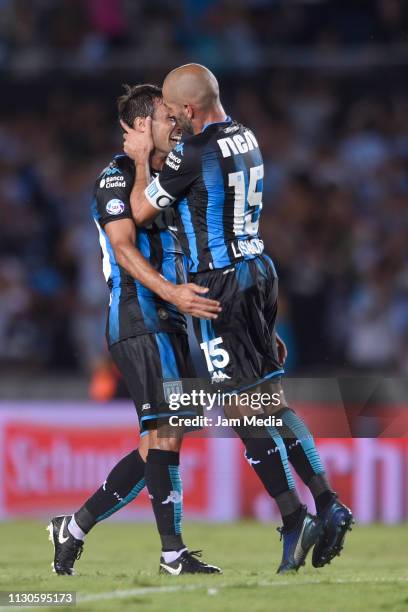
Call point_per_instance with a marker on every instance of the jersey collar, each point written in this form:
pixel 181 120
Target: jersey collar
pixel 226 120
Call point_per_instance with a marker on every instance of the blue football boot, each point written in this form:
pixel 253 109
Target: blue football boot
pixel 337 519
pixel 298 541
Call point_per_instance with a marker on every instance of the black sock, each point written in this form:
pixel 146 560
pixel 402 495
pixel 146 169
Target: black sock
pixel 123 484
pixel 266 453
pixel 304 456
pixel 321 491
pixel 291 520
pixel 165 490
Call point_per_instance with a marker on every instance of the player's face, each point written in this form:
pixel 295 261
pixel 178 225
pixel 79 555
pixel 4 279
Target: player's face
pixel 183 121
pixel 179 112
pixel 165 132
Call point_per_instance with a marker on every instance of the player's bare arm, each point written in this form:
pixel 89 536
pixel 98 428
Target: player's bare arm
pixel 282 350
pixel 187 298
pixel 138 146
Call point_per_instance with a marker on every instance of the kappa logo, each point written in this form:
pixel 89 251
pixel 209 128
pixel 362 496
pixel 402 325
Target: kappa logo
pixel 111 169
pixel 250 460
pixel 219 376
pixel 179 148
pixel 146 407
pixel 292 446
pixel 174 498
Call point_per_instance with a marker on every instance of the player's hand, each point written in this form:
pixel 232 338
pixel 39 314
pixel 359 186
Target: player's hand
pixel 282 350
pixel 138 145
pixel 188 300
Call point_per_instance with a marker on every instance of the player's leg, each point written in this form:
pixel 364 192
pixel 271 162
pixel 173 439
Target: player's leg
pixel 304 456
pixel 300 445
pixel 165 488
pixel 266 453
pixel 139 361
pixel 164 485
pixel 162 474
pixel 122 485
pixel 238 356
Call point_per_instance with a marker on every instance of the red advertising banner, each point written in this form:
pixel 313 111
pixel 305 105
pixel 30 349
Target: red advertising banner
pixel 52 458
pixel 49 467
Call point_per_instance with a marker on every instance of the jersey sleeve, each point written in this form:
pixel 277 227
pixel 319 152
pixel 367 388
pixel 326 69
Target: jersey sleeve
pixel 112 194
pixel 180 170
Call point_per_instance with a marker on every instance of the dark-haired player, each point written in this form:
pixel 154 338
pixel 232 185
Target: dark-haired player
pixel 214 179
pixel 146 334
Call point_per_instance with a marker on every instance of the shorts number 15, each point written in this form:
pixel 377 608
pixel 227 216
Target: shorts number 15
pixel 215 356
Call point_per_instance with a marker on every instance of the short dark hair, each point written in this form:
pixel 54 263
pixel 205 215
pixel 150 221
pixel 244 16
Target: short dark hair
pixel 138 101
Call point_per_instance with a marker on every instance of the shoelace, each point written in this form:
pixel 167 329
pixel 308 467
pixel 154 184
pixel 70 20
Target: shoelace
pixel 196 553
pixel 192 556
pixel 79 551
pixel 76 549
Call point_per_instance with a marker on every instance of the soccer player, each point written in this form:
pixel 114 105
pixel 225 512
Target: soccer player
pixel 214 179
pixel 146 334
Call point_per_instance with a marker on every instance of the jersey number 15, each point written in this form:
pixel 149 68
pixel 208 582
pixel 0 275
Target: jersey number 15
pixel 246 221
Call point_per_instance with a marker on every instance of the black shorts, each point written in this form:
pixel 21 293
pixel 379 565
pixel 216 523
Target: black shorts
pixel 153 367
pixel 240 345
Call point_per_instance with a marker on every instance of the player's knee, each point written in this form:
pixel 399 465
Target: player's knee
pixel 168 444
pixel 159 441
pixel 144 447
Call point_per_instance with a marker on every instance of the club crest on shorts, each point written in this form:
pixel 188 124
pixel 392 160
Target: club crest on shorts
pixel 172 388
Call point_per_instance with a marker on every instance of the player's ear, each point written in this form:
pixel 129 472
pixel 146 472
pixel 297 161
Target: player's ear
pixel 140 124
pixel 189 111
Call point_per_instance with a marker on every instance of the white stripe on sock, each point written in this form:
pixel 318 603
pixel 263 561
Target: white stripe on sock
pixel 75 530
pixel 172 555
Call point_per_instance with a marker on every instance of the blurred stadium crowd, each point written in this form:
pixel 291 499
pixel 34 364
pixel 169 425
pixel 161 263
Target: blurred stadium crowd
pixel 219 32
pixel 335 148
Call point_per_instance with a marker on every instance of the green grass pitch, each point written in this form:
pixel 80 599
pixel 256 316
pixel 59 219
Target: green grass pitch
pixel 118 570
